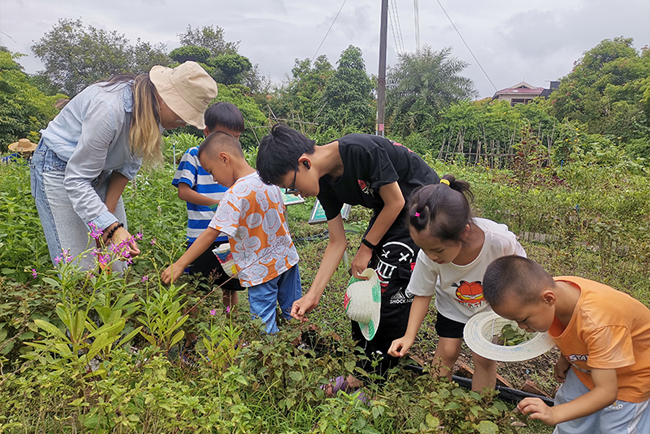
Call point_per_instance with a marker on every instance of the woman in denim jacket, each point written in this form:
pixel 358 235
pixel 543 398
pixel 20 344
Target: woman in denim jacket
pixel 98 142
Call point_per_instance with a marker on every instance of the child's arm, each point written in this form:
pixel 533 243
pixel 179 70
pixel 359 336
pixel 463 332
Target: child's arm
pixel 393 205
pixel 200 245
pixel 329 263
pixel 419 310
pixel 186 193
pixel 603 394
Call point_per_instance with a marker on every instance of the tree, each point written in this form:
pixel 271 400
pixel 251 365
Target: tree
pixel 24 109
pixel 347 97
pixel 76 56
pixel 301 99
pixel 420 86
pixel 210 37
pixel 190 52
pixel 231 67
pixel 605 91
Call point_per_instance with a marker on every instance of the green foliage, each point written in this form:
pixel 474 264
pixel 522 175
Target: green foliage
pixel 607 91
pixel 421 86
pixel 76 55
pixel 347 97
pixel 209 37
pixel 301 99
pixel 190 52
pixel 231 67
pixel 24 109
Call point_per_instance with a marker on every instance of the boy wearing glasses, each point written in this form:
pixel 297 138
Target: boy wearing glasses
pixel 251 214
pixel 358 169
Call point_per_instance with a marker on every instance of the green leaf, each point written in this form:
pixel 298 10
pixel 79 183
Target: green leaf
pixel 50 328
pixel 487 427
pixel 295 375
pixel 432 421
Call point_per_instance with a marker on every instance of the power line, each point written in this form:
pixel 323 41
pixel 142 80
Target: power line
pixel 396 28
pixel 328 31
pixel 470 50
pixel 416 16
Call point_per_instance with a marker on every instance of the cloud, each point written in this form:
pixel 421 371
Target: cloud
pixel 535 40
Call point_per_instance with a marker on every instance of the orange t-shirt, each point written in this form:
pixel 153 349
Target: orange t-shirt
pixel 608 330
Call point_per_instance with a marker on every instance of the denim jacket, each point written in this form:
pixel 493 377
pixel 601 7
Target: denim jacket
pixel 91 134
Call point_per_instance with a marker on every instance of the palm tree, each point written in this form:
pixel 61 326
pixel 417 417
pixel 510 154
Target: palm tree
pixel 420 86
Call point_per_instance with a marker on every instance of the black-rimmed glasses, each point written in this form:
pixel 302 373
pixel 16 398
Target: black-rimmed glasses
pixel 293 189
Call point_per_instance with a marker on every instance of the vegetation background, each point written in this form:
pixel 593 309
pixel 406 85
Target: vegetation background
pixel 91 352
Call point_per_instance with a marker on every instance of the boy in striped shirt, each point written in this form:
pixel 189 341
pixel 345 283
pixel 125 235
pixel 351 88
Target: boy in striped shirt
pixel 202 194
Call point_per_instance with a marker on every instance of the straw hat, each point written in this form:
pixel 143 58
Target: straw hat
pixel 186 89
pixel 482 327
pixel 23 145
pixel 362 302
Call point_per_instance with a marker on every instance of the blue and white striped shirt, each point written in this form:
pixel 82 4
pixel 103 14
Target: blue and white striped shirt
pixel 191 173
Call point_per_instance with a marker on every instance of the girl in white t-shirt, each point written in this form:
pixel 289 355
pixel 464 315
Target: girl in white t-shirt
pixel 455 251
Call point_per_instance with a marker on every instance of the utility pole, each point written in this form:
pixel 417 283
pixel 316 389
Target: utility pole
pixel 381 79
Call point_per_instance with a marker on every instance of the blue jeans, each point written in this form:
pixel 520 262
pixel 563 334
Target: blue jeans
pixel 64 229
pixel 284 289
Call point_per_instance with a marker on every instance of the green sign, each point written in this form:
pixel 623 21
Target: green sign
pixel 291 199
pixel 318 213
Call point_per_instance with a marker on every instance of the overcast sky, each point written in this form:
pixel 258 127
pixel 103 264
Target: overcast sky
pixel 514 40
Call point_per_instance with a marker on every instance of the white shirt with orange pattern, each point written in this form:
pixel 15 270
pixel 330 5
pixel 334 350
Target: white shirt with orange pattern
pixel 251 213
pixel 608 330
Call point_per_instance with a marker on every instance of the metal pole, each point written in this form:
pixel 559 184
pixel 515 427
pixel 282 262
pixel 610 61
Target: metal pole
pixel 381 78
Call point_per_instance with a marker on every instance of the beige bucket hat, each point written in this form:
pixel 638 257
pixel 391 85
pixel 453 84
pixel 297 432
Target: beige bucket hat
pixel 22 145
pixel 362 302
pixel 186 89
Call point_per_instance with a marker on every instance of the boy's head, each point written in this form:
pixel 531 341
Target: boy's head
pixel 280 154
pixel 519 289
pixel 220 154
pixel 224 117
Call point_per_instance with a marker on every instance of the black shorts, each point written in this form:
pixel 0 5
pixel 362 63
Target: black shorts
pixel 448 328
pixel 208 268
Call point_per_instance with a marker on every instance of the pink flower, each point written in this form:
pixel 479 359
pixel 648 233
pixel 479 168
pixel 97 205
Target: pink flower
pixel 95 232
pixel 138 236
pixel 153 241
pixel 213 312
pixel 34 273
pixel 227 309
pixel 145 278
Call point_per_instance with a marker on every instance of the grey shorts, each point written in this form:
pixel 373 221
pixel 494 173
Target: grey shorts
pixel 621 417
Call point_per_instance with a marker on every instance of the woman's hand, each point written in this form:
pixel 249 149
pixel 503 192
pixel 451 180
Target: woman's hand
pixel 122 239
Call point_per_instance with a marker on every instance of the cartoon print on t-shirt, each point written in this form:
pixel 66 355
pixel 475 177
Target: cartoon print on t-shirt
pixel 469 294
pixel 365 187
pixel 392 255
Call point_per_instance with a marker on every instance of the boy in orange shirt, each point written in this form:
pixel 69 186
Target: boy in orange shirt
pixel 604 337
pixel 251 213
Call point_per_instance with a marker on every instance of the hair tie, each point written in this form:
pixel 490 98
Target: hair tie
pixel 417 214
pixel 444 181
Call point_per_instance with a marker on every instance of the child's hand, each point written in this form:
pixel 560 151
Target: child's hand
pixel 360 262
pixel 536 409
pixel 400 347
pixel 168 276
pixel 561 368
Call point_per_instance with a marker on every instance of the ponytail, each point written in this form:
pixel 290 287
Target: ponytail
pixel 442 208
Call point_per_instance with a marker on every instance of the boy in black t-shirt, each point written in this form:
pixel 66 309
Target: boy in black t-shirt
pixel 358 169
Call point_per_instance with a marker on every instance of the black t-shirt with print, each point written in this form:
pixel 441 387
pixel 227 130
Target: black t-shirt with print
pixel 370 162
